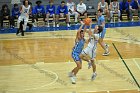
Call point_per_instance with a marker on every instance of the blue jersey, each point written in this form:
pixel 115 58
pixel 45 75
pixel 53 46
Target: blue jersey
pixel 124 6
pixel 79 46
pixel 101 19
pixel 134 4
pixel 39 9
pixel 62 10
pixel 50 9
pixel 15 11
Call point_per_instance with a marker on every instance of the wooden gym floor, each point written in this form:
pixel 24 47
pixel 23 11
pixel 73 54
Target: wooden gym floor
pixel 40 62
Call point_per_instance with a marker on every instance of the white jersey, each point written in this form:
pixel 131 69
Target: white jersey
pixel 93 41
pixel 25 10
pixel 103 6
pixel 81 8
pixel 92 45
pixel 71 6
pixel 115 5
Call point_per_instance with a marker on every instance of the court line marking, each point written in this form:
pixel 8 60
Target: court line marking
pixel 108 91
pixel 136 63
pixel 39 86
pixel 126 65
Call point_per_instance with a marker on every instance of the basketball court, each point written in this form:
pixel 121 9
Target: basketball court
pixel 40 62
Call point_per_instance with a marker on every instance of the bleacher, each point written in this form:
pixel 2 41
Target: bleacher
pixel 91 9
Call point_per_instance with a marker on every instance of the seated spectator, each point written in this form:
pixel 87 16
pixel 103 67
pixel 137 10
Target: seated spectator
pixel 124 8
pixel 62 11
pixel 72 10
pixel 50 12
pixel 39 11
pixel 15 13
pixel 104 6
pixel 134 8
pixel 81 9
pixel 5 15
pixel 114 8
pixel 32 15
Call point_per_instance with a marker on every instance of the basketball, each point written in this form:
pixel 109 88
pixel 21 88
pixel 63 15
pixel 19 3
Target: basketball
pixel 87 21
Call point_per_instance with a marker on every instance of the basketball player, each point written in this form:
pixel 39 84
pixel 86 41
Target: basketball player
pixel 25 10
pixel 89 53
pixel 77 49
pixel 104 6
pixel 114 8
pixel 101 22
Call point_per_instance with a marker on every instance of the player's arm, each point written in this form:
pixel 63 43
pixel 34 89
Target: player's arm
pixel 74 7
pixel 106 6
pixel 91 34
pixel 110 6
pixel 99 6
pixel 118 6
pixel 20 9
pixel 30 10
pixel 78 32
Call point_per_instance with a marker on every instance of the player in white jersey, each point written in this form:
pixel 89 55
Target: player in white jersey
pixel 114 8
pixel 72 10
pixel 25 10
pixel 104 6
pixel 89 53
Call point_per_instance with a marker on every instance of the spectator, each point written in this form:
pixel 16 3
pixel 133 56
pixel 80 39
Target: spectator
pixel 81 9
pixel 5 15
pixel 134 8
pixel 39 11
pixel 62 11
pixel 104 6
pixel 72 10
pixel 15 13
pixel 124 8
pixel 114 8
pixel 32 15
pixel 50 12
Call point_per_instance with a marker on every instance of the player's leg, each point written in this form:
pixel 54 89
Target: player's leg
pixel 92 55
pixel 76 16
pixel 85 14
pixel 19 25
pixel 2 19
pixel 111 16
pixel 24 25
pixel 53 20
pixel 67 20
pixel 119 15
pixel 94 69
pixel 139 14
pixel 74 72
pixel 47 19
pixel 79 14
pixel 69 14
pixel 57 20
pixel 103 45
pixel 85 55
pixel 131 14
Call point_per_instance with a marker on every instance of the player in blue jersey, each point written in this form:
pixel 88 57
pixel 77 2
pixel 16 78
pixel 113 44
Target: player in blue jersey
pixel 39 10
pixel 77 49
pixel 62 11
pixel 101 22
pixel 50 12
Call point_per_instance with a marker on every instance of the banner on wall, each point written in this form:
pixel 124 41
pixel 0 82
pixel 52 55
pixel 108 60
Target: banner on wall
pixel 15 1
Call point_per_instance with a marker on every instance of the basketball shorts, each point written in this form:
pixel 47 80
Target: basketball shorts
pixel 102 34
pixel 89 51
pixel 76 56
